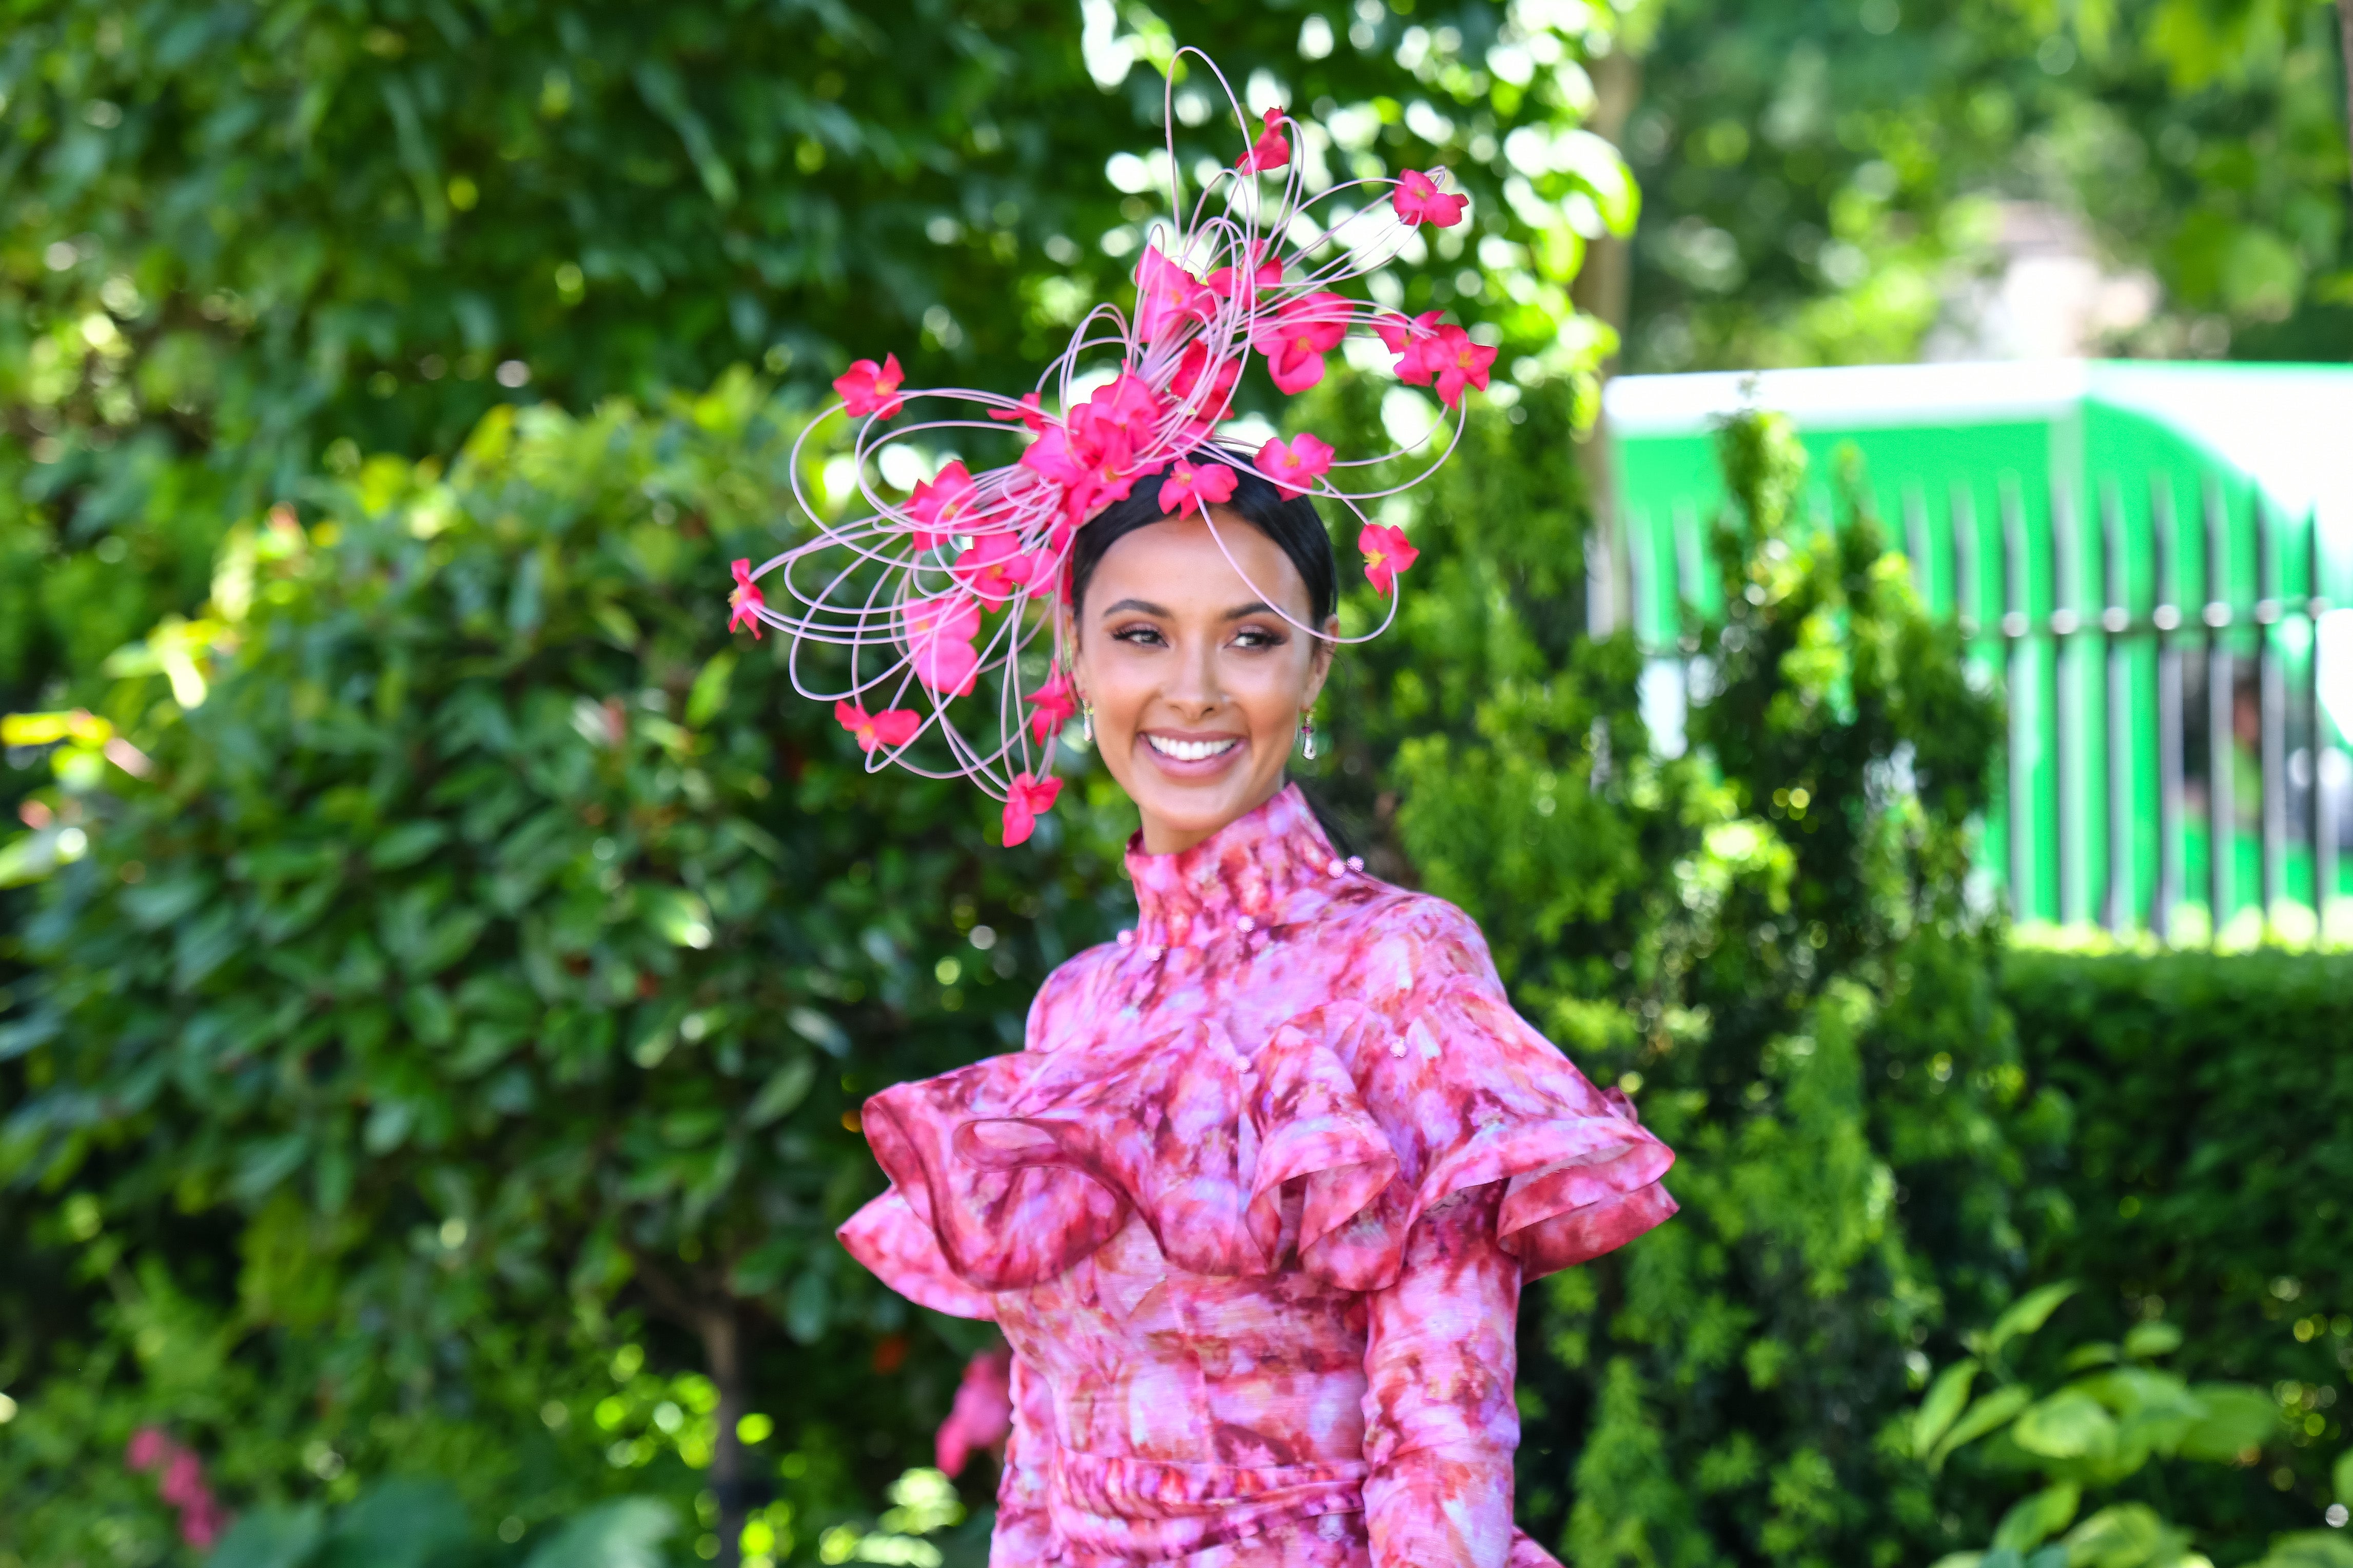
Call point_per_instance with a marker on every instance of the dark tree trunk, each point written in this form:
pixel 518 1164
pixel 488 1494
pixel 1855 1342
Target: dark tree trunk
pixel 1603 287
pixel 723 1354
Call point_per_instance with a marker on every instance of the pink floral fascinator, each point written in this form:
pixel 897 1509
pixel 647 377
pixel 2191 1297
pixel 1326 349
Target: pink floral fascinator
pixel 938 612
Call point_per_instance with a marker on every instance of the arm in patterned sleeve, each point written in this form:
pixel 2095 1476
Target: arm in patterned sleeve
pixel 1024 1537
pixel 1440 1424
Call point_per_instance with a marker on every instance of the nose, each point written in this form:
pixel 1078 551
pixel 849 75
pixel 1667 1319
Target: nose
pixel 1194 690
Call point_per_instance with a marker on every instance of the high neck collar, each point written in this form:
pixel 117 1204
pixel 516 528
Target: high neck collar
pixel 1246 870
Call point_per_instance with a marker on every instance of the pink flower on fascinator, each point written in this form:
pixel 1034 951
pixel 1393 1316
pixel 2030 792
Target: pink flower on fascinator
pixel 939 505
pixel 746 602
pixel 1458 362
pixel 997 565
pixel 1263 273
pixel 1188 487
pixel 1270 152
pixel 1031 413
pixel 1167 296
pixel 1054 704
pixel 1295 464
pixel 1404 339
pixel 891 727
pixel 1303 331
pixel 981 1417
pixel 870 388
pixel 1418 199
pixel 1028 799
pixel 1386 553
pixel 1217 400
pixel 938 633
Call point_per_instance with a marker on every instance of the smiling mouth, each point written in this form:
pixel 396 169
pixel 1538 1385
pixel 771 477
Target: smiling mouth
pixel 1192 750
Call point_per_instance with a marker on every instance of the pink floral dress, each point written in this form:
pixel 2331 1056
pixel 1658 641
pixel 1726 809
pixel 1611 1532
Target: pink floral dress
pixel 1254 1209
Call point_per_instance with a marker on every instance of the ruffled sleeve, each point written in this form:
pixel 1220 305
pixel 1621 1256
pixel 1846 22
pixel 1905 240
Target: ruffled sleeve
pixel 1465 1093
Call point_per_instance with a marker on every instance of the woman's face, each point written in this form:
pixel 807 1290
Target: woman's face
pixel 1197 685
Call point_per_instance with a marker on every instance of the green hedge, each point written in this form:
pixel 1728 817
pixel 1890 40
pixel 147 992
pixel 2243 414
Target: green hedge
pixel 2209 1176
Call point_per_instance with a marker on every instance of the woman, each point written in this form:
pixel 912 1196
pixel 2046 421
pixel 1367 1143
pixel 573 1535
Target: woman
pixel 1254 1204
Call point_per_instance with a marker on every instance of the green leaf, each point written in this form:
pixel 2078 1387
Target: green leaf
pixel 2037 1518
pixel 1944 1398
pixel 2124 1535
pixel 2147 1340
pixel 402 1523
pixel 2344 1478
pixel 682 918
pixel 2237 1417
pixel 782 1092
pixel 2310 1549
pixel 406 845
pixel 818 1029
pixel 709 694
pixel 270 1538
pixel 2027 1314
pixel 1990 1411
pixel 626 1533
pixel 2069 1424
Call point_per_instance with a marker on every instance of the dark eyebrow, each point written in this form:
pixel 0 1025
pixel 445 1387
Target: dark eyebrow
pixel 1145 607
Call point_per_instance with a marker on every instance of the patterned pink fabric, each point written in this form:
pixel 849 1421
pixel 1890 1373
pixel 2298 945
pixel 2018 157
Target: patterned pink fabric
pixel 1254 1209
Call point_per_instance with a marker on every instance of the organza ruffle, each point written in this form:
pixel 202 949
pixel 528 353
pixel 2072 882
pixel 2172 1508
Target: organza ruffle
pixel 1006 1172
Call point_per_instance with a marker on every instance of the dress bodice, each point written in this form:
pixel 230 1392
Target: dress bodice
pixel 1184 1199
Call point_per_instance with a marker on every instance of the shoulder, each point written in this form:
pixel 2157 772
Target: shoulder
pixel 1067 995
pixel 1397 944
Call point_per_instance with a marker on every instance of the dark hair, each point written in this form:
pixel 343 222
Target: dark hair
pixel 1292 523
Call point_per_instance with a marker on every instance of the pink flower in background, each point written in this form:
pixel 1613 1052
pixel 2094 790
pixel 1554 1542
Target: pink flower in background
pixel 870 388
pixel 997 565
pixel 939 504
pixel 1293 465
pixel 939 633
pixel 1303 331
pixel 1270 152
pixel 1167 296
pixel 746 602
pixel 1458 362
pixel 1386 553
pixel 982 1415
pixel 182 1485
pixel 203 1524
pixel 1188 488
pixel 891 727
pixel 1056 702
pixel 1418 199
pixel 148 1446
pixel 1030 799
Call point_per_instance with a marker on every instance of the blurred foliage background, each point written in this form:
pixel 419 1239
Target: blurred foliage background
pixel 427 1080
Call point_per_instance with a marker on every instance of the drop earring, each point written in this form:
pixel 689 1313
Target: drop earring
pixel 1307 735
pixel 1087 723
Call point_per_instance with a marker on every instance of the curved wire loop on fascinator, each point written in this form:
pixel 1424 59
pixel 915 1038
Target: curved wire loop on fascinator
pixel 936 601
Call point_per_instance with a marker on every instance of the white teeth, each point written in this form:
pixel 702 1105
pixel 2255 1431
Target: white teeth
pixel 1191 751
